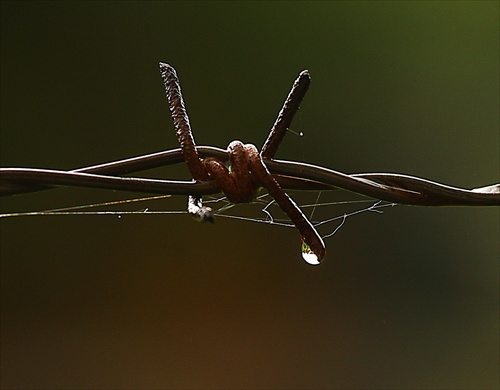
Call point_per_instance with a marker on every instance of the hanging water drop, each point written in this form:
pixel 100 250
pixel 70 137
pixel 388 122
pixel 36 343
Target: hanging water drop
pixel 308 255
pixel 310 258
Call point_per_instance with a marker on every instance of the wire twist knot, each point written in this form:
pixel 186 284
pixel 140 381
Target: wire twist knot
pixel 240 182
pixel 234 180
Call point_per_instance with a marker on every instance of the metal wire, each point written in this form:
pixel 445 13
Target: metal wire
pixel 397 188
pixel 246 171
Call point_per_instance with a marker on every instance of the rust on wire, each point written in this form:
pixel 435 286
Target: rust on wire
pixel 236 184
pixel 181 122
pixel 308 233
pixel 240 170
pixel 285 116
pixel 186 140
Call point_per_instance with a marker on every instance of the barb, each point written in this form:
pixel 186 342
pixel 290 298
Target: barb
pixel 285 116
pixel 240 170
pixel 181 122
pixel 313 248
pixel 186 140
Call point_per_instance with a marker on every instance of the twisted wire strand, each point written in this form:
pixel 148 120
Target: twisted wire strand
pixel 397 188
pixel 247 170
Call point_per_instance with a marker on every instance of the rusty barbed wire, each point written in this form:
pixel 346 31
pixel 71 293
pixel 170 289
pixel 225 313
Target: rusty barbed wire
pixel 397 188
pixel 240 170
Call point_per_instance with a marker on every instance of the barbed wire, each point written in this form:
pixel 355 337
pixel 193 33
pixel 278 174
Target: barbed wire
pixel 391 187
pixel 240 170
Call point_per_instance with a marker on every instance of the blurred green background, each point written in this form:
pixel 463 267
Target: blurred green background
pixel 407 299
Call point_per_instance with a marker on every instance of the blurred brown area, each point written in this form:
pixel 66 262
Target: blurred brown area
pixel 407 299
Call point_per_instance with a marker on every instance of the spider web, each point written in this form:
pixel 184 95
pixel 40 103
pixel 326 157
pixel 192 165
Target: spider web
pixel 327 215
pixel 324 215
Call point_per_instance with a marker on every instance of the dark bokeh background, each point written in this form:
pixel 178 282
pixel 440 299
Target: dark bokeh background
pixel 407 299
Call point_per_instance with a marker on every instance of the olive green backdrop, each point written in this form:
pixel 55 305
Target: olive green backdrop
pixel 407 299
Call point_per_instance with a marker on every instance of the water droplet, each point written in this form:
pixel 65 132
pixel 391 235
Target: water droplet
pixel 301 134
pixel 310 258
pixel 119 216
pixel 308 255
